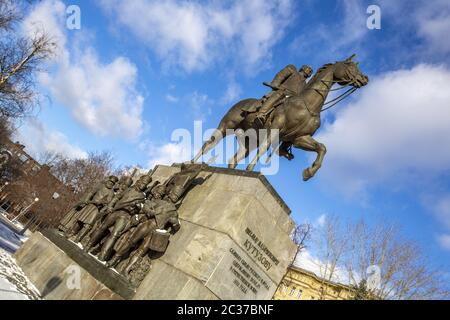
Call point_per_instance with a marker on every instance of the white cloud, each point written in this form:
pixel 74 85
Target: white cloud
pixel 102 97
pixel 38 139
pixel 335 39
pixel 320 222
pixel 306 260
pixel 434 25
pixel 444 241
pixel 232 93
pixel 429 20
pixel 194 34
pixel 397 126
pixel 200 105
pixel 168 154
pixel 171 98
pixel 48 16
pixel 441 208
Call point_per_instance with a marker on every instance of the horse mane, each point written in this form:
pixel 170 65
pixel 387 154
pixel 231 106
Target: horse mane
pixel 319 71
pixel 322 68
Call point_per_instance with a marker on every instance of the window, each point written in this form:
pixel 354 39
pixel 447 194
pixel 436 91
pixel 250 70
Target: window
pixel 299 294
pixel 23 158
pixel 292 291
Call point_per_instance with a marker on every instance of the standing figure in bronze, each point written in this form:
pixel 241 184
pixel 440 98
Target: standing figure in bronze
pixel 121 218
pixel 92 206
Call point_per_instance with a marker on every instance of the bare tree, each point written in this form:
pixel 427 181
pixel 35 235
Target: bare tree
pixel 8 15
pixel 5 130
pixel 50 158
pixel 331 241
pixel 301 235
pixel 376 261
pixel 385 265
pixel 21 56
pixel 10 170
pixel 81 174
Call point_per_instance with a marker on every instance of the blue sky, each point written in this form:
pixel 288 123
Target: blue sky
pixel 137 70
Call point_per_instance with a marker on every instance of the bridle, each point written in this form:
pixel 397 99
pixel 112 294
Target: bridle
pixel 350 81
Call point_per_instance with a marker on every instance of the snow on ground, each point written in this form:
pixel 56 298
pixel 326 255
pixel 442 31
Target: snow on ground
pixel 14 285
pixel 9 240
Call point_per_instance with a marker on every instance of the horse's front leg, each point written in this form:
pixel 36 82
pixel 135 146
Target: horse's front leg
pixel 267 142
pixel 217 135
pixel 307 143
pixel 243 149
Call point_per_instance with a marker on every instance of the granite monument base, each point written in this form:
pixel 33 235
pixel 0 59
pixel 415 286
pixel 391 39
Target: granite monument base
pixel 61 271
pixel 233 243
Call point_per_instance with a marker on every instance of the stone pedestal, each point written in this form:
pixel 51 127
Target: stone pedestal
pixel 233 243
pixel 64 272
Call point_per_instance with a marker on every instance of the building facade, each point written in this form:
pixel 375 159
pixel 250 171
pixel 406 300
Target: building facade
pixel 301 284
pixel 29 190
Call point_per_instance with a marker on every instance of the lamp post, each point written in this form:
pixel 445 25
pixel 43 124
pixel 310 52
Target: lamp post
pixel 25 210
pixel 4 186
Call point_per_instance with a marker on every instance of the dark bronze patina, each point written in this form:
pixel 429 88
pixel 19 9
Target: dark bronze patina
pixel 295 113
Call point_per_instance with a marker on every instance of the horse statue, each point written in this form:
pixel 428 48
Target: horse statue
pixel 295 121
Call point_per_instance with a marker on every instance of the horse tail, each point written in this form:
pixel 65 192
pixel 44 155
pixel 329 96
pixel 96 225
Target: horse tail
pixel 237 114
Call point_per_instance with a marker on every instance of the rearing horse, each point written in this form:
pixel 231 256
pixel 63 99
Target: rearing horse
pixel 296 120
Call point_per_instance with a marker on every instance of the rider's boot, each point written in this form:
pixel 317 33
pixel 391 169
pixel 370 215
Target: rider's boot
pixel 260 119
pixel 267 106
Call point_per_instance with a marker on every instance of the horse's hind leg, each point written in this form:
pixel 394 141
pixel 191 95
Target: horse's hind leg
pixel 218 135
pixel 307 143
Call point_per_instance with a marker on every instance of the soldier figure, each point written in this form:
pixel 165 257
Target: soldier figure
pixel 71 218
pixel 91 206
pixel 123 216
pixel 162 216
pixel 287 82
pixel 120 188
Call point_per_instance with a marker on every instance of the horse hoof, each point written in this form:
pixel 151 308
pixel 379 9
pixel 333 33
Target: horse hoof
pixel 307 174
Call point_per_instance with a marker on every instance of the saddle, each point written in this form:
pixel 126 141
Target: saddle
pixel 252 108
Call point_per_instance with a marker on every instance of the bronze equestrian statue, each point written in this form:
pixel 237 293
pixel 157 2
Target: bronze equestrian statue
pixel 297 118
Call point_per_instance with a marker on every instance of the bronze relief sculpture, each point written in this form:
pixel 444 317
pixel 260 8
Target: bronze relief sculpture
pixel 122 217
pixel 121 222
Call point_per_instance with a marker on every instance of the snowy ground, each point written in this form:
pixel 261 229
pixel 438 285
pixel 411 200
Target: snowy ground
pixel 13 283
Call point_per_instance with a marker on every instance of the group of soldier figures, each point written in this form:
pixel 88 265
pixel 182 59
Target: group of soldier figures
pixel 119 220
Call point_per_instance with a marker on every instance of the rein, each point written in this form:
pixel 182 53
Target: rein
pixel 340 98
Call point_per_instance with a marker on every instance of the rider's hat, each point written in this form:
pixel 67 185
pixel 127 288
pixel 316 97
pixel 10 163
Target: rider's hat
pixel 113 179
pixel 305 67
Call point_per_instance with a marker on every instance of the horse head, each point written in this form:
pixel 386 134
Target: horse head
pixel 347 73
